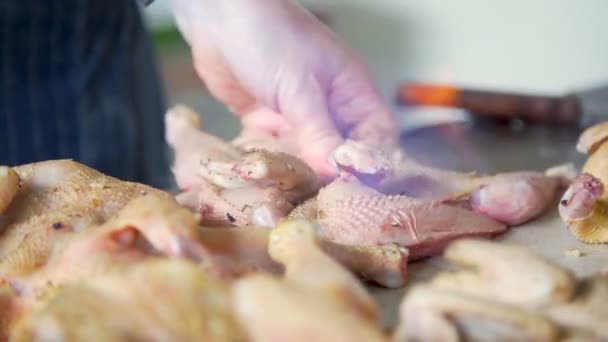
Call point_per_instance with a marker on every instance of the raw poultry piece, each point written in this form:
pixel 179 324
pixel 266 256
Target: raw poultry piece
pixel 511 294
pixel 229 185
pixel 512 198
pixel 351 213
pixel 243 250
pixel 55 199
pixel 583 207
pixel 587 314
pixel 147 227
pixel 9 185
pixel 9 312
pixel 162 300
pixel 508 273
pixel 432 314
pixel 317 300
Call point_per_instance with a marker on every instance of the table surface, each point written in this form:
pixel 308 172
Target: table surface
pixel 498 147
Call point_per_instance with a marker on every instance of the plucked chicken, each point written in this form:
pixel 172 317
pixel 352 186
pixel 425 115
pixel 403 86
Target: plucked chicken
pixel 244 250
pixel 156 300
pixel 583 207
pixel 232 186
pixel 317 300
pixel 511 198
pixel 67 221
pixel 504 293
pixel 351 213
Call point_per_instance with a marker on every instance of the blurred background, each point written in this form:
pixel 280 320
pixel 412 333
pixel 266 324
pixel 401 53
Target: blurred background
pixel 543 46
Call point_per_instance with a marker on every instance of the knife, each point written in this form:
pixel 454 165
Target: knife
pixel 582 108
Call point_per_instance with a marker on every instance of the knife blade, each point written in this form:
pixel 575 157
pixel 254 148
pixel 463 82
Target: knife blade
pixel 583 107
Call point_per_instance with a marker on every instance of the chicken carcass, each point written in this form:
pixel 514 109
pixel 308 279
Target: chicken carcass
pixel 587 314
pixel 583 207
pixel 147 227
pixel 157 300
pixel 511 198
pixel 67 221
pixel 53 200
pixel 9 186
pixel 511 294
pixel 229 185
pixel 508 273
pixel 500 299
pixel 431 314
pixel 243 250
pixel 317 300
pixel 351 213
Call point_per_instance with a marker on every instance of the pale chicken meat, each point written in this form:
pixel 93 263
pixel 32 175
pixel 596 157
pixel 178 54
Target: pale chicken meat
pixel 508 273
pixel 587 314
pixel 162 300
pixel 147 227
pixel 230 185
pixel 512 198
pixel 68 221
pixel 351 213
pixel 244 250
pixel 504 292
pixel 9 185
pixel 583 207
pixel 431 314
pixel 317 300
pixel 56 198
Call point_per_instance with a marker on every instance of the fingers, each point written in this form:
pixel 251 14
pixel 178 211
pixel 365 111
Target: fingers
pixel 220 81
pixel 359 109
pixel 301 99
pixel 264 120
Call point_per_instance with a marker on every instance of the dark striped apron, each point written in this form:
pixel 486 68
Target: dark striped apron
pixel 78 80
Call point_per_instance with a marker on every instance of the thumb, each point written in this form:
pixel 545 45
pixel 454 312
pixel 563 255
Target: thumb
pixel 316 143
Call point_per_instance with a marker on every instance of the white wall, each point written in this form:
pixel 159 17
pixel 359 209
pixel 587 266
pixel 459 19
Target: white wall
pixel 545 45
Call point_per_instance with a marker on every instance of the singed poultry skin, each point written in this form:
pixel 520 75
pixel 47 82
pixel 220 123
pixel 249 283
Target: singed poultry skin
pixel 353 214
pixel 68 221
pixel 9 185
pixel 162 300
pixel 317 300
pixel 55 199
pixel 231 186
pixel 511 198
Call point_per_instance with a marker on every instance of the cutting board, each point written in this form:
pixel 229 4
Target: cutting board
pixel 491 147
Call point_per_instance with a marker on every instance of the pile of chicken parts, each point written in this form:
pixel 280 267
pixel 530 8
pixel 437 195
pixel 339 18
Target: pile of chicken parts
pixel 256 247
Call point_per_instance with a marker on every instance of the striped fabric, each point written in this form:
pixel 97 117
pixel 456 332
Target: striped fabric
pixel 78 80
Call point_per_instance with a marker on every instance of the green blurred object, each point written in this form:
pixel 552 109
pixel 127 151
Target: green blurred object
pixel 168 38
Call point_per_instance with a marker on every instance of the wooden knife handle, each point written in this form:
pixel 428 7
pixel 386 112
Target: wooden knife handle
pixel 489 104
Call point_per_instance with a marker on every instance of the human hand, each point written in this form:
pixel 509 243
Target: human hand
pixel 284 73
